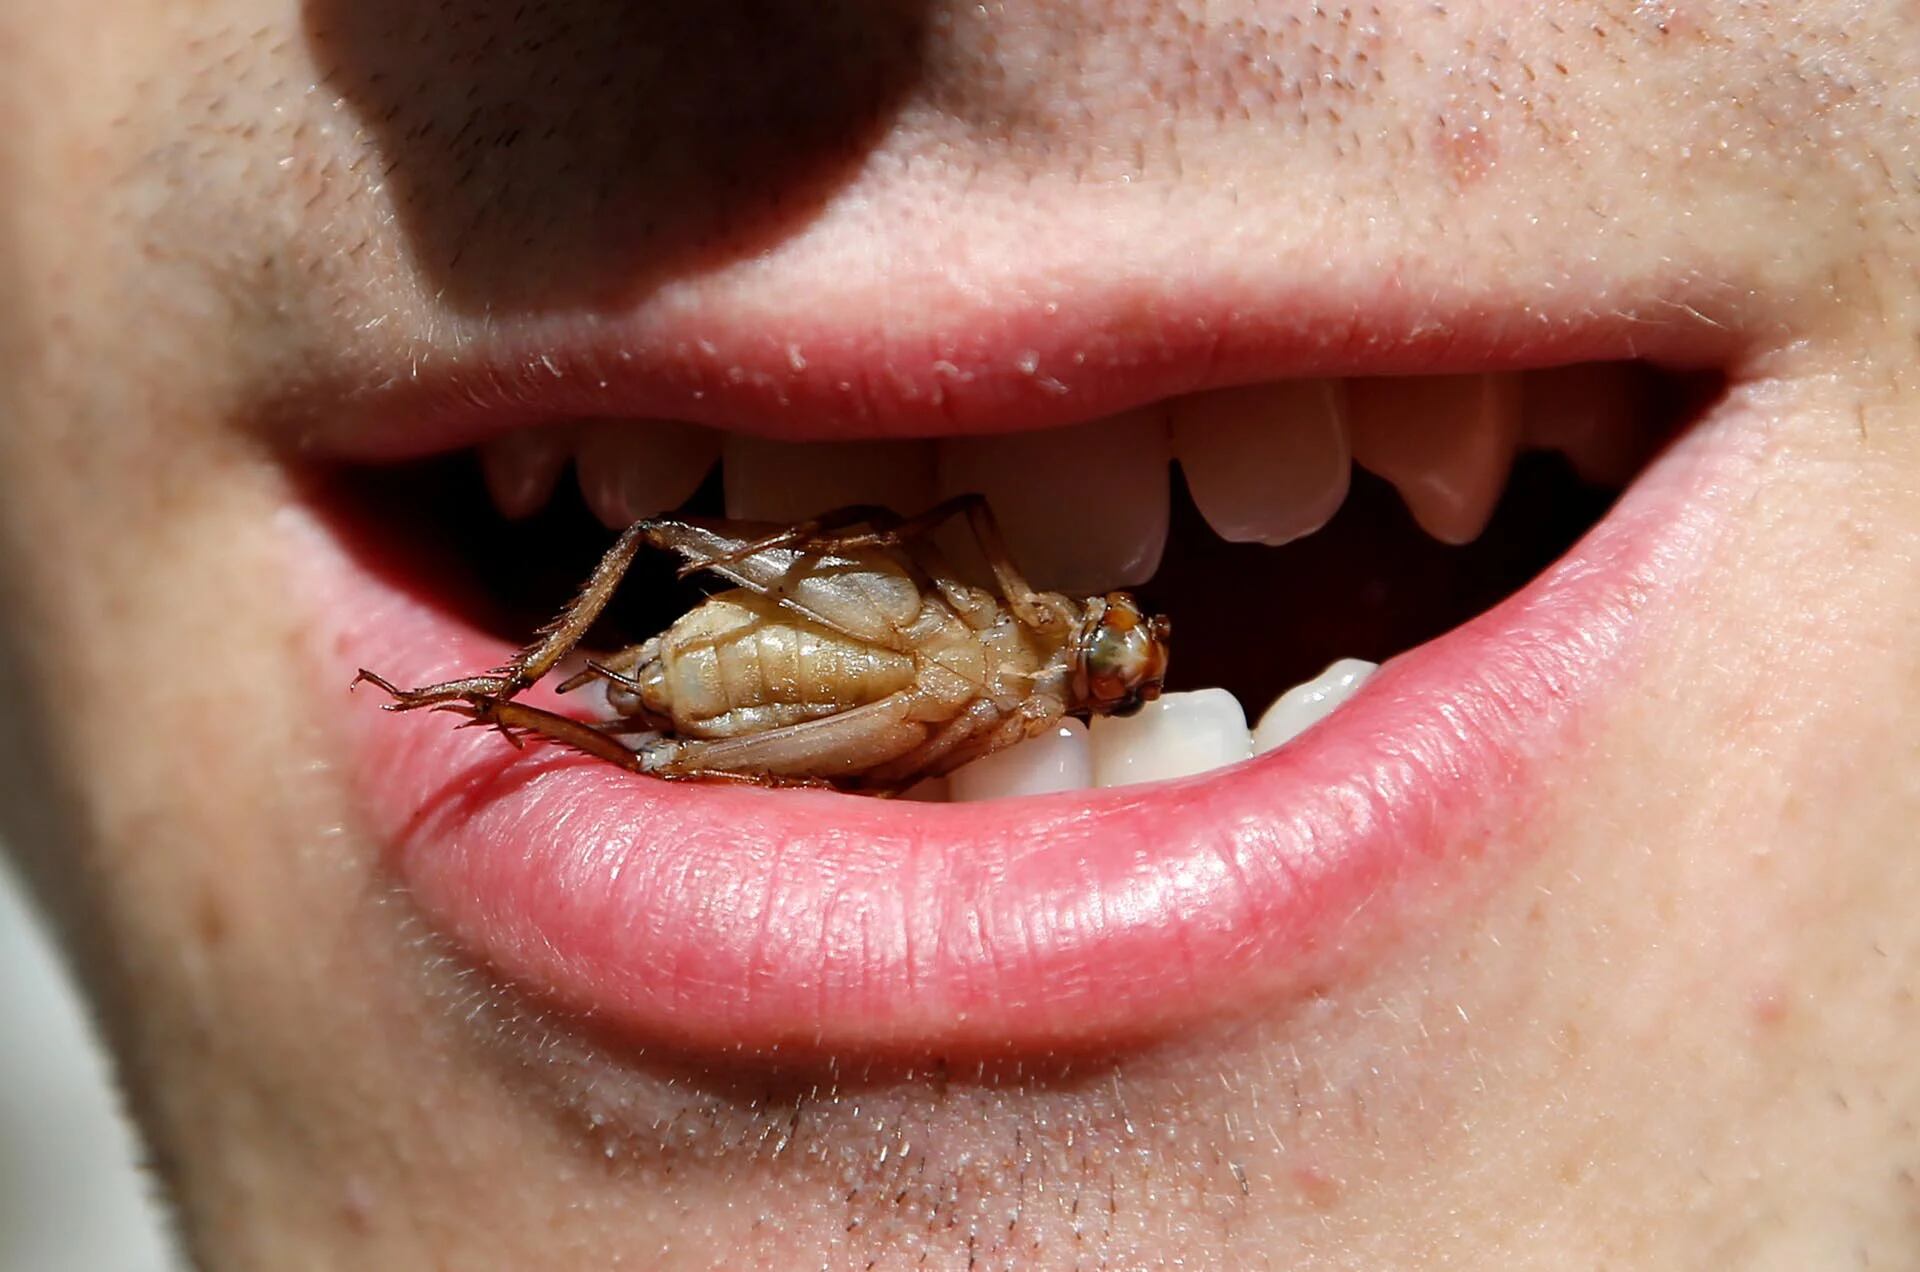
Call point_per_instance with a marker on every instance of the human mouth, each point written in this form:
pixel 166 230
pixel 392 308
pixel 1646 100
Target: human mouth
pixel 1097 883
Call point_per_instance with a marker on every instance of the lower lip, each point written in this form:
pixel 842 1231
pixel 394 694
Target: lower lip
pixel 743 920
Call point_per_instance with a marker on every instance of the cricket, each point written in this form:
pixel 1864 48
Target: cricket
pixel 847 653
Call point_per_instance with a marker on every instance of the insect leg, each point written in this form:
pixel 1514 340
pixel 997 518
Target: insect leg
pixel 885 528
pixel 554 642
pixel 842 746
pixel 1028 604
pixel 888 530
pixel 626 695
pixel 617 668
pixel 824 533
pixel 862 604
pixel 1021 597
pixel 516 718
pixel 951 745
pixel 510 717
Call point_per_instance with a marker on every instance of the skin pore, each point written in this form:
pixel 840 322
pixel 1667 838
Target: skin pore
pixel 1672 1029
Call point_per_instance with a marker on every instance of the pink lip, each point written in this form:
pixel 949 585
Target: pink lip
pixel 740 919
pixel 976 365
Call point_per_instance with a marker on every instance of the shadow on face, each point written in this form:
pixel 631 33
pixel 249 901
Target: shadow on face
pixel 554 154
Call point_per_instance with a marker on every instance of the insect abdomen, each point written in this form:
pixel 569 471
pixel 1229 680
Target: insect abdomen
pixel 740 664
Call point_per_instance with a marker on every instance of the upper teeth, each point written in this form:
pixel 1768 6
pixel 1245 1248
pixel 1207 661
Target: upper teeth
pixel 1268 463
pixel 1445 442
pixel 629 471
pixel 1086 507
pixel 522 467
pixel 790 481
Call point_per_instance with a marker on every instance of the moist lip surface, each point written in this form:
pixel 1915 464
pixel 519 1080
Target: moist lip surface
pixel 720 918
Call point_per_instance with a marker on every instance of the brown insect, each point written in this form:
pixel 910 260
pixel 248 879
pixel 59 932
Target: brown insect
pixel 848 653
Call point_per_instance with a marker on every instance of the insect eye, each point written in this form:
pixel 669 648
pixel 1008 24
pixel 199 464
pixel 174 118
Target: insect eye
pixel 1116 656
pixel 1124 658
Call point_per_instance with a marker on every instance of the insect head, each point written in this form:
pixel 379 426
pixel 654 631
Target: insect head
pixel 1119 656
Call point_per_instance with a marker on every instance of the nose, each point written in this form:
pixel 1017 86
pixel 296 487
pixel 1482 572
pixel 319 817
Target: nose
pixel 587 151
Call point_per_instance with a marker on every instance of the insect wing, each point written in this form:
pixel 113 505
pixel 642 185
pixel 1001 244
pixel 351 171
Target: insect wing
pixel 842 745
pixel 865 595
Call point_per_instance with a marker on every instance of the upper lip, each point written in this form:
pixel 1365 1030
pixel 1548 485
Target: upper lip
pixel 832 366
pixel 795 921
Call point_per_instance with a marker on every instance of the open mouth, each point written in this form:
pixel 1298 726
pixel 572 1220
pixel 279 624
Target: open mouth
pixel 1391 596
pixel 1406 507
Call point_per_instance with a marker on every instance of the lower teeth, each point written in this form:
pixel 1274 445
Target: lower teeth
pixel 1179 735
pixel 1308 703
pixel 1058 760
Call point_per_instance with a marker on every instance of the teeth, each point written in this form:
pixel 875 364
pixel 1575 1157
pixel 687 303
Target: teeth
pixel 635 469
pixel 1058 760
pixel 1305 705
pixel 522 467
pixel 1084 508
pixel 1175 736
pixel 791 481
pixel 1445 442
pixel 1591 414
pixel 1268 463
pixel 1179 735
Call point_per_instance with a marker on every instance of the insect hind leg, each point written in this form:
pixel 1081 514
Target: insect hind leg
pixel 517 719
pixel 555 641
pixel 626 694
pixel 830 531
pixel 662 760
pixel 834 532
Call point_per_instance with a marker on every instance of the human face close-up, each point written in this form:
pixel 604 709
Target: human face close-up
pixel 1509 410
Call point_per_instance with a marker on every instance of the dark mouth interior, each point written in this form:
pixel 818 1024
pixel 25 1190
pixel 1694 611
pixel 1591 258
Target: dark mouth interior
pixel 1249 618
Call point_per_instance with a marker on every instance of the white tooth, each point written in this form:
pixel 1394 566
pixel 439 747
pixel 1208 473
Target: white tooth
pixel 1176 735
pixel 1058 760
pixel 1592 414
pixel 523 466
pixel 1267 463
pixel 1305 705
pixel 1444 441
pixel 1084 508
pixel 791 481
pixel 630 469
